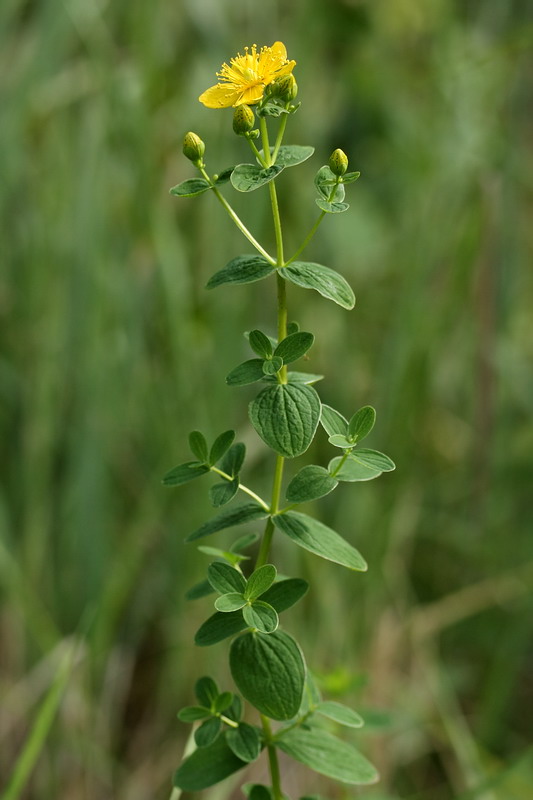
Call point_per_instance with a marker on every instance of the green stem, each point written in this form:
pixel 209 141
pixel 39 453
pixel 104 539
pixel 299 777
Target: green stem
pixel 279 138
pixel 341 462
pixel 242 487
pixel 256 153
pixel 229 721
pixel 272 759
pixel 238 222
pixel 314 228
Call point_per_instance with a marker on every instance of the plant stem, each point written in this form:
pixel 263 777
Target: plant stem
pixel 279 137
pixel 272 759
pixel 314 228
pixel 238 222
pixel 242 487
pixel 341 462
pixel 256 153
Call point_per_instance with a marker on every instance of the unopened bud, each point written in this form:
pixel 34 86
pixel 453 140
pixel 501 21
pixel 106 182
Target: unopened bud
pixel 338 162
pixel 285 88
pixel 193 147
pixel 243 119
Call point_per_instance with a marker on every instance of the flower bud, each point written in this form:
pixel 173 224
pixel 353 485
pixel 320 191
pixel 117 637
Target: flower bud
pixel 243 119
pixel 285 88
pixel 193 147
pixel 338 162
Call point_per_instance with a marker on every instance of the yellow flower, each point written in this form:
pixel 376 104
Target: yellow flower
pixel 245 78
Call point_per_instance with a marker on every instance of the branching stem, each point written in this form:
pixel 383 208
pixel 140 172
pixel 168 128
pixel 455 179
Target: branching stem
pixel 242 487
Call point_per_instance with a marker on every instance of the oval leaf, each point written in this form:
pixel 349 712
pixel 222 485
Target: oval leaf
pixel 260 580
pixel 323 279
pixel 222 493
pixel 286 417
pixel 234 459
pixel 294 346
pixel 309 484
pixel 297 377
pixel 244 741
pixel 190 187
pixel 220 445
pixel 225 579
pixel 185 473
pixel 242 269
pixel 206 691
pixel 352 470
pixel 333 422
pixel 316 537
pixel 331 208
pixel 328 755
pixel 207 766
pixel 374 459
pixel 269 672
pixel 230 602
pixel 326 183
pixel 193 713
pixel 248 372
pixel 248 177
pixel 339 713
pixel 272 366
pixel 338 440
pixel 207 732
pixel 362 422
pixel 291 154
pixel 218 627
pixel 228 518
pixel 260 343
pixel 261 616
pixel 198 445
pixel 284 594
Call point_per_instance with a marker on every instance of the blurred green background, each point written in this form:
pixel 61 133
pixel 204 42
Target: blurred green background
pixel 112 351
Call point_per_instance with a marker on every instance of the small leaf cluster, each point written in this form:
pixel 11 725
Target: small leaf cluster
pixel 272 356
pixel 239 594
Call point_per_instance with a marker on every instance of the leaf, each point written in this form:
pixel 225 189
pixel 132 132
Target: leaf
pixel 220 445
pixel 247 512
pixel 193 713
pixel 292 327
pixel 208 732
pixel 248 177
pixel 198 445
pixel 224 578
pixel 338 440
pixel 324 181
pixel 286 417
pixel 323 279
pixel 331 208
pixel 206 691
pixel 234 459
pixel 256 791
pixel 261 616
pixel 248 372
pixel 362 422
pixel 226 555
pixel 339 713
pixel 224 176
pixel 243 542
pixel 271 110
pixel 242 269
pixel 221 493
pixel 294 346
pixel 327 755
pixel 375 459
pixel 272 366
pixel 361 465
pixel 350 177
pixel 207 766
pixel 218 627
pixel 190 187
pixel 201 589
pixel 297 377
pixel 284 594
pixel 269 671
pixel 232 601
pixel 223 702
pixel 292 154
pixel 260 580
pixel 316 537
pixel 332 421
pixel 244 741
pixel 260 344
pixel 234 711
pixel 310 483
pixel 185 473
pixel 281 596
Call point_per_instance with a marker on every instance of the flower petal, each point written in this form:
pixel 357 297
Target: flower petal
pixel 220 96
pixel 279 50
pixel 251 95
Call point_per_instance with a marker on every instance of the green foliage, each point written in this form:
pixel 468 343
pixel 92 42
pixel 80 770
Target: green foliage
pixel 248 372
pixel 310 483
pixel 224 578
pixel 185 473
pixel 316 537
pixel 294 346
pixel 249 177
pixel 238 515
pixel 322 279
pixel 190 188
pixel 242 269
pixel 260 344
pixel 327 755
pixel 286 417
pixel 198 445
pixel 339 713
pixel 207 766
pixel 244 741
pixel 259 581
pixel 221 444
pixel 292 154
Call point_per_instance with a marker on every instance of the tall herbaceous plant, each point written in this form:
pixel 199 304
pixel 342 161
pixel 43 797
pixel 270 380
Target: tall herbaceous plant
pixel 266 662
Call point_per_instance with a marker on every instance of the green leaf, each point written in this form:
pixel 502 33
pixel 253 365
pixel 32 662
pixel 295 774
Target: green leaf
pixel 206 691
pixel 273 366
pixel 230 602
pixel 362 422
pixel 226 555
pixel 247 512
pixel 243 542
pixel 292 154
pixel 233 460
pixel 374 459
pixel 339 713
pixel 350 177
pixel 223 702
pixel 332 421
pixel 269 671
pixel 185 473
pixel 331 208
pixel 316 537
pixel 198 445
pixel 325 180
pixel 296 377
pixel 207 766
pixel 323 279
pixel 248 177
pixel 260 580
pixel 220 445
pixel 261 616
pixel 224 176
pixel 234 711
pixel 286 417
pixel 309 484
pixel 294 346
pixel 201 589
pixel 190 188
pixel 218 627
pixel 361 465
pixel 225 579
pixel 221 493
pixel 338 440
pixel 256 791
pixel 248 372
pixel 244 741
pixel 292 327
pixel 271 110
pixel 327 755
pixel 193 713
pixel 284 594
pixel 242 269
pixel 260 343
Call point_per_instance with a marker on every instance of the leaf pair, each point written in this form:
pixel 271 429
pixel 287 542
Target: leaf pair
pixel 363 464
pixel 272 359
pixel 212 704
pixel 207 458
pixel 239 594
pixel 195 186
pixel 330 189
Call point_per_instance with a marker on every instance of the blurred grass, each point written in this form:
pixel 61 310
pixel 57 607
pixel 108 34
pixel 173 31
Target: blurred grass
pixel 111 351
